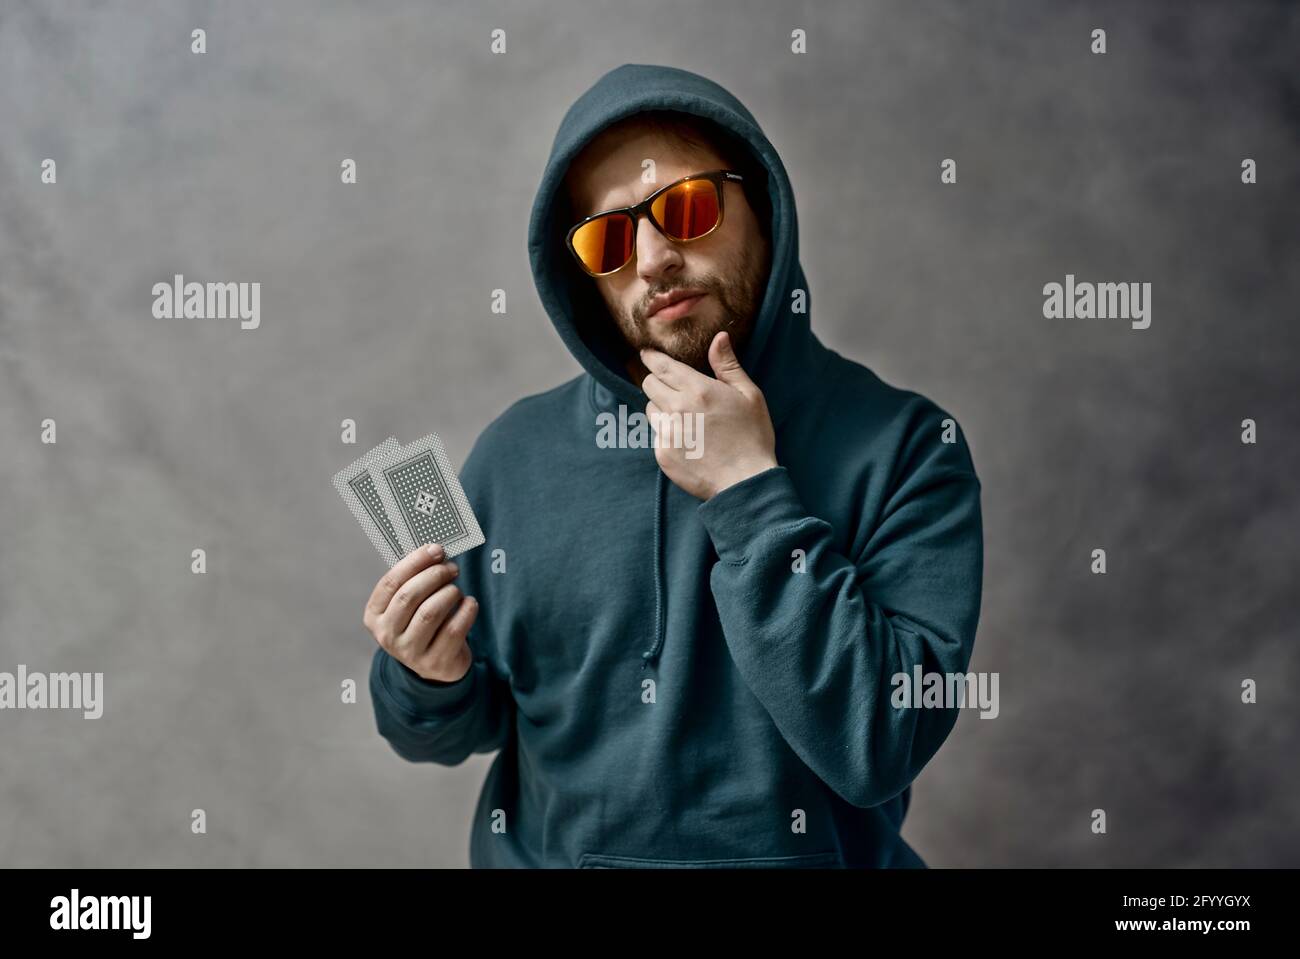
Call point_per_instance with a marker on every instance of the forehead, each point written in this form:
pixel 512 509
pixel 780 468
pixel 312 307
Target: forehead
pixel 609 171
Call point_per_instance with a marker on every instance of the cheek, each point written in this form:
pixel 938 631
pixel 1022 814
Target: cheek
pixel 724 258
pixel 617 296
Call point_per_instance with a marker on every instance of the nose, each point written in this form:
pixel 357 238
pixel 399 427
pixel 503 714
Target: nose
pixel 657 257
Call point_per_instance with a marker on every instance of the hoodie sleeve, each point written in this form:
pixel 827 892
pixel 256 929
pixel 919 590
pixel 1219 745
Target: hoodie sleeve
pixel 429 721
pixel 818 648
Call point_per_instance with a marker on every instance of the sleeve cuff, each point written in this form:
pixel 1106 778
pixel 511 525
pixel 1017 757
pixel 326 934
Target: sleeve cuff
pixel 735 517
pixel 427 696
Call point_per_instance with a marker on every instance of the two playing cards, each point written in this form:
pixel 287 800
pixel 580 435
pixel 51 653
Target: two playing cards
pixel 406 496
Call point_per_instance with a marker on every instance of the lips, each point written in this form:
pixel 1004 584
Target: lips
pixel 672 305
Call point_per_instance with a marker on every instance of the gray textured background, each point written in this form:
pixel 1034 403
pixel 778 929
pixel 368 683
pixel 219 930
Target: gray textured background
pixel 222 691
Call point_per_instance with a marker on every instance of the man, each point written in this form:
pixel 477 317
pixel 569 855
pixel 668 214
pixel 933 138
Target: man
pixel 684 651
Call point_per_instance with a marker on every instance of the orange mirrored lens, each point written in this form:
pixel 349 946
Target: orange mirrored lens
pixel 605 243
pixel 689 210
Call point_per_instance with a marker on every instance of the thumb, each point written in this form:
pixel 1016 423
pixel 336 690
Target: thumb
pixel 722 357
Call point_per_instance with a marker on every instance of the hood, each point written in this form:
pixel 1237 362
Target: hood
pixel 781 356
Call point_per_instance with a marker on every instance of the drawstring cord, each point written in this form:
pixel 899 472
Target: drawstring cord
pixel 652 654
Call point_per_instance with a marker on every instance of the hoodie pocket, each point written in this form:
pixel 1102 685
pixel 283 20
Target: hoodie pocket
pixel 812 860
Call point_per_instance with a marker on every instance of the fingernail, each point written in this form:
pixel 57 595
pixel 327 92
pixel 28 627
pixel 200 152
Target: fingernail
pixel 454 568
pixel 434 549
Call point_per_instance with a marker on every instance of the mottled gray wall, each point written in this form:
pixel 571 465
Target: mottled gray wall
pixel 1119 692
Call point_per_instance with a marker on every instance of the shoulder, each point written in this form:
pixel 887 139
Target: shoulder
pixel 901 425
pixel 526 428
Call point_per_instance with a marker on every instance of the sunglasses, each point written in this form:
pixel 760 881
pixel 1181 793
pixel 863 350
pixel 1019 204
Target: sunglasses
pixel 688 209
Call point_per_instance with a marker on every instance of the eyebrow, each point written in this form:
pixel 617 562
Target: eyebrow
pixel 617 206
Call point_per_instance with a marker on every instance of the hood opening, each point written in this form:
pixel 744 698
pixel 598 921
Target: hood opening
pixel 590 316
pixel 571 299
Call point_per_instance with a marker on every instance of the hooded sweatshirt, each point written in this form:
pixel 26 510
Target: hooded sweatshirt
pixel 673 682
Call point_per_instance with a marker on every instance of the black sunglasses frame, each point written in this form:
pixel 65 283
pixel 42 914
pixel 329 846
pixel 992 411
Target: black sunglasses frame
pixel 717 177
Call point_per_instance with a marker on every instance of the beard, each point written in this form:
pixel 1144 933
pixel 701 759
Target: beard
pixel 688 339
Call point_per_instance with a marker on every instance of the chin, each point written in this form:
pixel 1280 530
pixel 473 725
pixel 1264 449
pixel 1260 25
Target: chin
pixel 691 352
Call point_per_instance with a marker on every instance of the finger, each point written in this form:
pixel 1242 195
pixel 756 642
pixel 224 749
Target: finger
pixel 449 653
pixel 414 592
pixel 725 363
pixel 673 373
pixel 658 392
pixel 406 567
pixel 652 414
pixel 449 638
pixel 416 638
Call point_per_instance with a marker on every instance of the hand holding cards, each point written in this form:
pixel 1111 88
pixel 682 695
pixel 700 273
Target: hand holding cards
pixel 418 615
pixel 406 496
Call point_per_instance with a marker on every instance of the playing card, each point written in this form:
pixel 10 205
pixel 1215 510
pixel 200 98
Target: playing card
pixel 357 487
pixel 423 495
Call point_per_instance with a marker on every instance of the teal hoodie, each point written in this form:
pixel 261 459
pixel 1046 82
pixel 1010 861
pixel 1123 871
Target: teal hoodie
pixel 671 682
